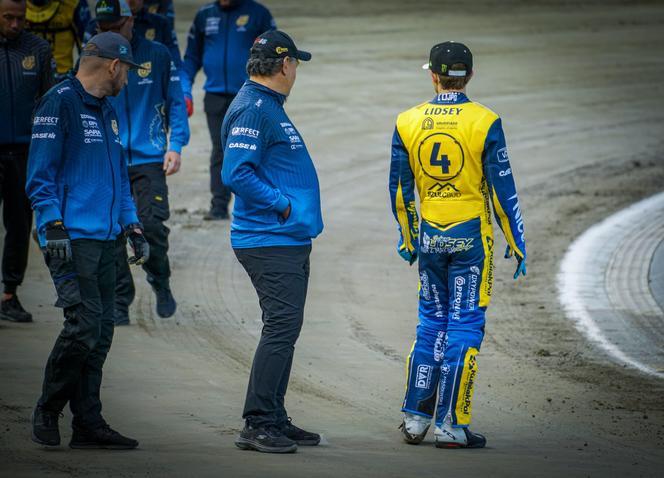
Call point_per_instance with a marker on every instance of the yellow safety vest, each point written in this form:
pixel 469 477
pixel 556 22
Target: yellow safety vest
pixel 54 22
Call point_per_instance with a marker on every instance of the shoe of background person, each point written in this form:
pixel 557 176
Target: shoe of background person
pixel 12 309
pixel 414 428
pixel 45 427
pixel 166 304
pixel 448 437
pixel 268 439
pixel 299 436
pixel 103 437
pixel 216 215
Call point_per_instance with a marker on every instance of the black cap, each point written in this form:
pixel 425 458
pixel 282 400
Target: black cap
pixel 446 54
pixel 112 46
pixel 276 44
pixel 111 10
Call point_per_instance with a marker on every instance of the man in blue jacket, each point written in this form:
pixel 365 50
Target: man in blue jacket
pixel 153 130
pixel 27 68
pixel 276 215
pixel 219 41
pixel 79 189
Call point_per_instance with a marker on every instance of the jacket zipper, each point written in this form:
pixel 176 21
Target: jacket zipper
pixel 11 96
pixel 129 155
pixel 110 162
pixel 64 202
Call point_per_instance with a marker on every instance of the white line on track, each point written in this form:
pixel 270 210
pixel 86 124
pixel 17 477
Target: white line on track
pixel 582 277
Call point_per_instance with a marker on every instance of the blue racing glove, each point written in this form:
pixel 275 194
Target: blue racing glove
pixel 405 254
pixel 521 262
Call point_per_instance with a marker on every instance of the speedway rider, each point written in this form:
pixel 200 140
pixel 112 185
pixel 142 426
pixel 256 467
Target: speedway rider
pixel 453 150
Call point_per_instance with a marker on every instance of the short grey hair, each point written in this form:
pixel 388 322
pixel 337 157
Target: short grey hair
pixel 259 65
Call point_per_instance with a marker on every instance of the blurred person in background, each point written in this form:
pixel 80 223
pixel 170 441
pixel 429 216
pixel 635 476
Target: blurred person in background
pixel 62 23
pixel 153 129
pixel 219 41
pixel 453 151
pixel 28 70
pixel 147 25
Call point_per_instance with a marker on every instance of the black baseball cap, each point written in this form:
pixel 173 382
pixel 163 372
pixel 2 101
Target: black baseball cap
pixel 446 54
pixel 111 10
pixel 112 46
pixel 276 44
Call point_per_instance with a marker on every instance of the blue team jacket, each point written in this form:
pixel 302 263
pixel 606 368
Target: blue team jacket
pixel 150 104
pixel 268 167
pixel 219 41
pixel 76 168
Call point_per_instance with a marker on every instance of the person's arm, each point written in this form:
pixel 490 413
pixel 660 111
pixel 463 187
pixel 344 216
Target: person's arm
pixel 243 153
pixel 176 112
pixel 502 190
pixel 91 30
pixel 169 13
pixel 402 195
pixel 47 72
pixel 49 131
pixel 127 207
pixel 193 57
pixel 82 20
pixel 267 21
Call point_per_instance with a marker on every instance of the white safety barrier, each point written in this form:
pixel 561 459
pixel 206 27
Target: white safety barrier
pixel 603 285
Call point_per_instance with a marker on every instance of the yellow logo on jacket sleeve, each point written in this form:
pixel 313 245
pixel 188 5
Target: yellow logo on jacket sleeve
pixel 29 62
pixel 150 34
pixel 144 71
pixel 114 127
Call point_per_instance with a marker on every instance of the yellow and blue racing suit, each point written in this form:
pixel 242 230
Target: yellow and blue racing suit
pixel 453 151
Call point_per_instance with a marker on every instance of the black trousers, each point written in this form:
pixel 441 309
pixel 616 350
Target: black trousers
pixel 16 215
pixel 280 276
pixel 85 288
pixel 216 105
pixel 150 192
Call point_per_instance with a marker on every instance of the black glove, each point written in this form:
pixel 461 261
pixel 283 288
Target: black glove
pixel 138 244
pixel 58 243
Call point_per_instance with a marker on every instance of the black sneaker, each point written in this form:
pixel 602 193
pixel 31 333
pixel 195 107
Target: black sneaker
pixel 299 436
pixel 216 216
pixel 12 309
pixel 166 304
pixel 265 439
pixel 45 427
pixel 102 437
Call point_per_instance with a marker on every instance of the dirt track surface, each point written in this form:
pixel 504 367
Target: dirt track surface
pixel 582 99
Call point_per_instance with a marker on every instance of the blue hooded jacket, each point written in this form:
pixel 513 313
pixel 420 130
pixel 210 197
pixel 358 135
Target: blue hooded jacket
pixel 268 167
pixel 150 104
pixel 76 168
pixel 219 41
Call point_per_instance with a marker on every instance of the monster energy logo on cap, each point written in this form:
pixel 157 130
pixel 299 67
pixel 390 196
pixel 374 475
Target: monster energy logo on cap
pixel 444 55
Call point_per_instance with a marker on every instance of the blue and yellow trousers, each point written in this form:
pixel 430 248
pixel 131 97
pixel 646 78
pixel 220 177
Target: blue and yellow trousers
pixel 456 278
